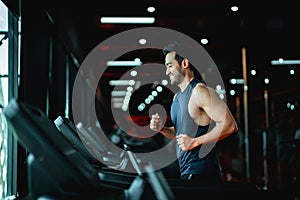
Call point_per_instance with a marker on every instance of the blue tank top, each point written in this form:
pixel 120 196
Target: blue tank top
pixel 191 162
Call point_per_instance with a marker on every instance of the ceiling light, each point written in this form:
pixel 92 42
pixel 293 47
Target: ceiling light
pixel 121 82
pixel 151 9
pixel 142 41
pixel 234 8
pixel 127 20
pixel 118 93
pixel 204 41
pixel 236 81
pixel 285 62
pixel 136 62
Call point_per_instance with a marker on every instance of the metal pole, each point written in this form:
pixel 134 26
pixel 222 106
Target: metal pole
pixel 245 89
pixel 13 73
pixel 264 140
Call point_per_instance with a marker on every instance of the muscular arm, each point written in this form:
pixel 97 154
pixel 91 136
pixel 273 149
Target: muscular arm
pixel 218 111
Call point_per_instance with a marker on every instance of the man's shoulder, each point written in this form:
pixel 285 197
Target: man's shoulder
pixel 202 91
pixel 200 86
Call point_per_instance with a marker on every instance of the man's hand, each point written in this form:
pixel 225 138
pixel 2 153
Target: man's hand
pixel 185 142
pixel 156 123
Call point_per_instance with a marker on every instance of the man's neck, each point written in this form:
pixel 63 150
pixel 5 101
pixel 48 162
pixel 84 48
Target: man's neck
pixel 184 83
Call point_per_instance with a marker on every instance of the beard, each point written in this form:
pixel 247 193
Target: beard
pixel 176 78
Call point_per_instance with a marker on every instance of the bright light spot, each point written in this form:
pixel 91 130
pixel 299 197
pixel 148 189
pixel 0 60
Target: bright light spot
pixel 147 101
pixel 232 92
pixel 129 89
pixel 232 81
pixel 218 87
pixel 117 93
pixel 204 41
pixel 154 93
pixel 131 82
pixel 151 97
pixel 141 107
pixel 137 60
pixel 142 41
pixel 267 81
pixel 221 96
pixel 159 88
pixel 2 157
pixel 292 107
pixel 128 20
pixel 234 8
pixel 164 82
pixel 151 9
pixel 133 73
pixel 253 72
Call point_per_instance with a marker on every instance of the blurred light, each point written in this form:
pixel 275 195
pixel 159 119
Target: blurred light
pixel 292 107
pixel 236 81
pixel 141 107
pixel 204 41
pixel 143 41
pixel 118 93
pixel 131 82
pixel 222 96
pixel 232 92
pixel 154 93
pixel 218 87
pixel 280 61
pixel 164 82
pixel 234 8
pixel 117 104
pixel 129 89
pixel 133 73
pixel 220 91
pixel 136 62
pixel 151 97
pixel 267 81
pixel 128 94
pixel 159 88
pixel 127 20
pixel 151 9
pixel 147 101
pixel 121 82
pixel 253 72
pixel 292 72
pixel 117 100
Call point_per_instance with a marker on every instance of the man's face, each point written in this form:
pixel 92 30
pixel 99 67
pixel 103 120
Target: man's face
pixel 173 69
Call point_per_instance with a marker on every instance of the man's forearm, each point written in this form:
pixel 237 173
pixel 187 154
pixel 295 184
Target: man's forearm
pixel 219 132
pixel 168 132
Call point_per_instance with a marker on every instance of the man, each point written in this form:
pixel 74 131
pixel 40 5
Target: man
pixel 194 108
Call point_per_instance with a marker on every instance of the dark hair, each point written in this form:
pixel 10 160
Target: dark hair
pixel 179 47
pixel 174 47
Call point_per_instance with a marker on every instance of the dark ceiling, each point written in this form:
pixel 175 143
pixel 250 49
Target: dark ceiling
pixel 267 29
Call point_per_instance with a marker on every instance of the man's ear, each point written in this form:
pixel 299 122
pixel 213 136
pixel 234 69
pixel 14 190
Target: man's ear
pixel 185 63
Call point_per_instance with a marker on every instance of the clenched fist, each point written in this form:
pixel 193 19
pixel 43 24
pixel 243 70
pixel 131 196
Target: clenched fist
pixel 156 123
